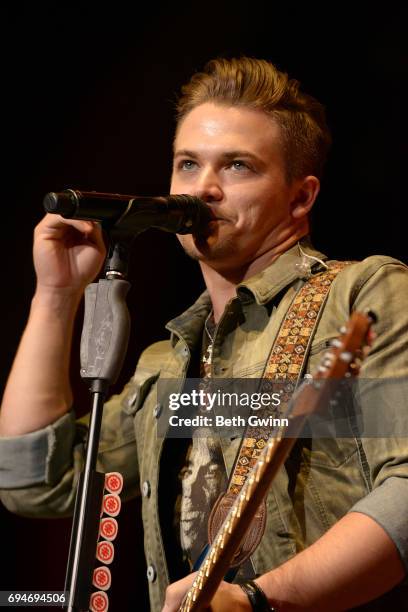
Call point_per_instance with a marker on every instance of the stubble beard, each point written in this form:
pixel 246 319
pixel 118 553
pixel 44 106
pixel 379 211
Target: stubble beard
pixel 204 249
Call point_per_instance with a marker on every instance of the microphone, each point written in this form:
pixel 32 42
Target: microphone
pixel 181 214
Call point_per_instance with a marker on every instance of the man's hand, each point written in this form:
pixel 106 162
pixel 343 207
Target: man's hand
pixel 227 597
pixel 68 254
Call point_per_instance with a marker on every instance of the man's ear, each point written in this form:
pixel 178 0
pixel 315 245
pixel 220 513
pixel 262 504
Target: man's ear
pixel 304 196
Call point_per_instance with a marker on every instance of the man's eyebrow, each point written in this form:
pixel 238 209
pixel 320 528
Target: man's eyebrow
pixel 226 155
pixel 240 153
pixel 185 153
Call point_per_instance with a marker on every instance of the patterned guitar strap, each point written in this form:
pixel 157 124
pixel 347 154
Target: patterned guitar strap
pixel 285 365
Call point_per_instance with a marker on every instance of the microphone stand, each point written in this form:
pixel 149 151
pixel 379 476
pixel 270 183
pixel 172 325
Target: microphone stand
pixel 104 341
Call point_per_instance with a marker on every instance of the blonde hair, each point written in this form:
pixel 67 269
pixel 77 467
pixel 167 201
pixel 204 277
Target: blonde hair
pixel 258 84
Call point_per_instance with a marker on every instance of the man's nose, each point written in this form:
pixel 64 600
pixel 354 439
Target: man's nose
pixel 208 186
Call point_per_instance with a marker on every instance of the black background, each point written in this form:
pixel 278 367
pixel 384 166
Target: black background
pixel 88 97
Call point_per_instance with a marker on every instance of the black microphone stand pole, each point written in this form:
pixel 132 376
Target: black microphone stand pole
pixel 104 341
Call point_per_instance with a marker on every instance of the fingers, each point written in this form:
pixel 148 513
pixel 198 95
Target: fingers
pixel 175 593
pixel 227 597
pixel 55 227
pixel 68 253
pixel 50 221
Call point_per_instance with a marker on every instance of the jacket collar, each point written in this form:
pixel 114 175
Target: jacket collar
pixel 260 288
pixel 189 325
pixel 265 285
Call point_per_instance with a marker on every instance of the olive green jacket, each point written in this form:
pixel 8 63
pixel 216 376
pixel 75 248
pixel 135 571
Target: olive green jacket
pixel 39 471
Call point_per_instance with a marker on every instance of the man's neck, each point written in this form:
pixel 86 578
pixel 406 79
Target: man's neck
pixel 221 285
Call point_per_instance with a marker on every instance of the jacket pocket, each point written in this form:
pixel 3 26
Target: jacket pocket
pixel 328 453
pixel 137 390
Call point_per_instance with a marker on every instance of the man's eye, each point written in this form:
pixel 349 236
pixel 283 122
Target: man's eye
pixel 238 164
pixel 186 164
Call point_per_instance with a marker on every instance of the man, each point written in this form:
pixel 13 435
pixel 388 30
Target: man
pixel 252 146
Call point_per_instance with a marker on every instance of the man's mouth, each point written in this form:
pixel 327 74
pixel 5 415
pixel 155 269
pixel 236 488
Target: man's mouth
pixel 211 225
pixel 216 217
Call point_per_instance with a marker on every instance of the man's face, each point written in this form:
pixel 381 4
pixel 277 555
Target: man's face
pixel 232 158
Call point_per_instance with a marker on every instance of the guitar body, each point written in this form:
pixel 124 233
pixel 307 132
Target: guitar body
pixel 253 534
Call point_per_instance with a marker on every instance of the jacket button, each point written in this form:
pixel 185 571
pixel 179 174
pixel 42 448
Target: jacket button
pixel 151 573
pixel 146 489
pixel 157 411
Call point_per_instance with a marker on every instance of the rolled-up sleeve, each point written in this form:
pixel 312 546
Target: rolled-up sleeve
pixel 388 506
pixel 33 459
pixel 39 471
